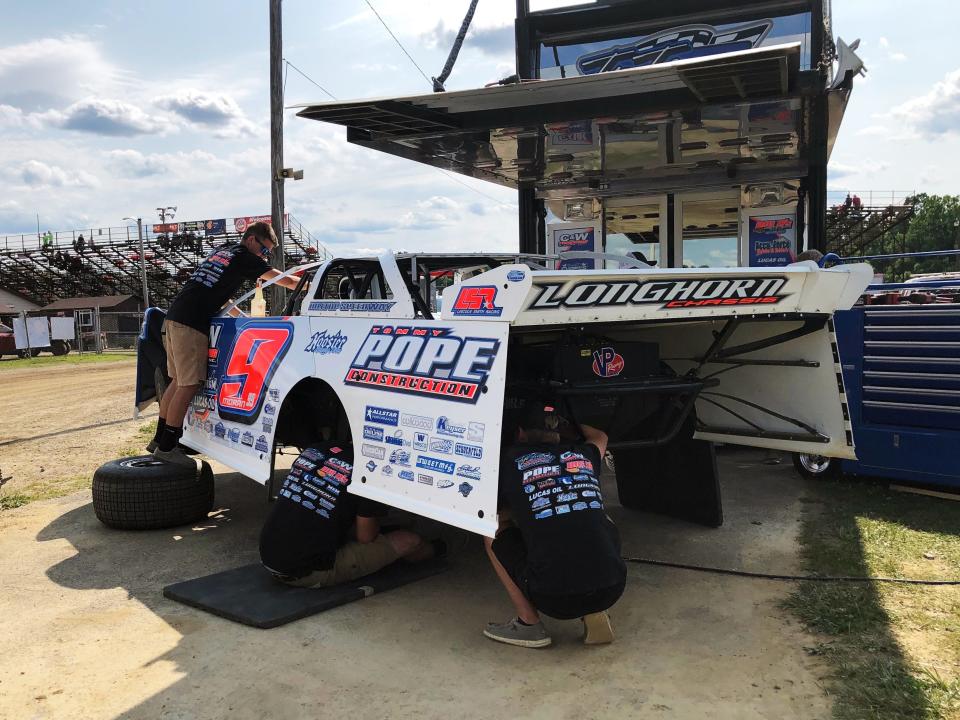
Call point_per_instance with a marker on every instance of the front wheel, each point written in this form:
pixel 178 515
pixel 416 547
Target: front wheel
pixel 816 467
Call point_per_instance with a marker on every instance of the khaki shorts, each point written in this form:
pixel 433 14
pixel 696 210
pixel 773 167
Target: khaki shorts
pixel 186 353
pixel 354 560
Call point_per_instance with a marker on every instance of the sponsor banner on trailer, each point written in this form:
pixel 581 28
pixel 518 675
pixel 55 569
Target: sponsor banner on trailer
pixel 772 240
pixel 215 227
pixel 573 237
pixel 159 228
pixel 240 224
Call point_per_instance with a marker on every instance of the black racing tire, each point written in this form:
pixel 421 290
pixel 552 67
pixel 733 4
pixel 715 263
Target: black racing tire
pixel 816 467
pixel 60 347
pixel 143 493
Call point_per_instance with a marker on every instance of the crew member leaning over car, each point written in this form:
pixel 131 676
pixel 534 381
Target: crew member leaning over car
pixel 187 326
pixel 560 555
pixel 318 534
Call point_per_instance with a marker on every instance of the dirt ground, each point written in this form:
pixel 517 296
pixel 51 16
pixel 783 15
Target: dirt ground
pixel 60 422
pixel 88 634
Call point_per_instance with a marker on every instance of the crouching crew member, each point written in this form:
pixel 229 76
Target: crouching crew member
pixel 317 534
pixel 560 555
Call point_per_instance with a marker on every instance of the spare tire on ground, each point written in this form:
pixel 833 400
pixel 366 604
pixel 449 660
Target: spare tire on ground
pixel 143 493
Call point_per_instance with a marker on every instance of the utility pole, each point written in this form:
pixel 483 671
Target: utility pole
pixel 143 260
pixel 277 296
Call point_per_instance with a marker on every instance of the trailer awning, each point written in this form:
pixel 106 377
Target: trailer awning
pixel 508 134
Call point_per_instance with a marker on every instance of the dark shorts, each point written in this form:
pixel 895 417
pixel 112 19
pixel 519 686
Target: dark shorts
pixel 510 550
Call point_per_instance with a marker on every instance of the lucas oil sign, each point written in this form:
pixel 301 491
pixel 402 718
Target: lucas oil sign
pixel 427 361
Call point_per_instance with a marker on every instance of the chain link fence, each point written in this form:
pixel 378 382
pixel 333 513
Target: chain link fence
pixel 29 334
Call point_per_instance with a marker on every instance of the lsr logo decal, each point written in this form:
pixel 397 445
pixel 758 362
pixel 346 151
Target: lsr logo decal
pixel 670 294
pixel 607 362
pixel 252 360
pixel 426 361
pixel 479 301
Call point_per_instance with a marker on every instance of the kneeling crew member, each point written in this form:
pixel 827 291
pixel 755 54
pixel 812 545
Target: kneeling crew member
pixel 561 555
pixel 317 534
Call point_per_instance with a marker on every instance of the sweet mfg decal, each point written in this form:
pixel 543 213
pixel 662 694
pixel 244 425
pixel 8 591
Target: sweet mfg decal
pixel 669 294
pixel 426 361
pixel 323 343
pixel 435 464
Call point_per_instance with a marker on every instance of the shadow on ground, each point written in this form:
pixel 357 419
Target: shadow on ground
pixel 688 645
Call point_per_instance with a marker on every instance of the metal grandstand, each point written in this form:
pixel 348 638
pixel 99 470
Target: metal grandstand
pixel 854 228
pixel 108 260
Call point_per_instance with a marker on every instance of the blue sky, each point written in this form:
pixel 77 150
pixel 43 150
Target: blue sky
pixel 113 108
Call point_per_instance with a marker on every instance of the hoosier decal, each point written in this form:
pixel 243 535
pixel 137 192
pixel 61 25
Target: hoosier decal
pixel 670 294
pixel 423 361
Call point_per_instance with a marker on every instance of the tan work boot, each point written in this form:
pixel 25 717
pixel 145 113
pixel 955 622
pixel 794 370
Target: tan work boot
pixel 597 629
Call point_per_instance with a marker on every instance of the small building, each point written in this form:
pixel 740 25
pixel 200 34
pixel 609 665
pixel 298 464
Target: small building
pixel 117 316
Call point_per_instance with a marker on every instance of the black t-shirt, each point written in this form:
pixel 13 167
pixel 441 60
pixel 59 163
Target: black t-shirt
pixel 313 514
pixel 213 283
pixel 553 493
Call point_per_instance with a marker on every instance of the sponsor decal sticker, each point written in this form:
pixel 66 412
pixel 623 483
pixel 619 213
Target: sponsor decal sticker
pixel 262 445
pixel 396 439
pixel 445 426
pixel 372 433
pixel 516 275
pixel 431 362
pixel 476 301
pixel 371 465
pixel 274 395
pixel 399 457
pixel 381 416
pixel 607 362
pixel 372 451
pixel 543 514
pixel 444 483
pixel 441 445
pixel 233 435
pixel 387 470
pixel 405 475
pixel 323 343
pixel 351 306
pixel 268 424
pixel 465 488
pixel 417 421
pixel 469 471
pixel 420 441
pixel 436 464
pixel 247 439
pixel 668 294
pixel 425 479
pixel 475 431
pixel 470 451
pixel 220 430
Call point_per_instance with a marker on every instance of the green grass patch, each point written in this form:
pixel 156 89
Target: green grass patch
pixel 44 491
pixel 894 649
pixel 138 445
pixel 8 363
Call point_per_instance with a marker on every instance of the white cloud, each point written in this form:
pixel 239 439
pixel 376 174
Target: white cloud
pixel 134 164
pixel 43 73
pixel 37 175
pixel 103 116
pixel 208 109
pixel 839 170
pixel 937 113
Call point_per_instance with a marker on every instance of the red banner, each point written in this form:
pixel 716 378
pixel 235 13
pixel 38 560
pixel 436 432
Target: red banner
pixel 166 228
pixel 242 223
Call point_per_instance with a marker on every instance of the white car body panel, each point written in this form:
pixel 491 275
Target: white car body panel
pixel 424 398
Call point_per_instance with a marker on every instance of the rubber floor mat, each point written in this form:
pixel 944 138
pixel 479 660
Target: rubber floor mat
pixel 250 594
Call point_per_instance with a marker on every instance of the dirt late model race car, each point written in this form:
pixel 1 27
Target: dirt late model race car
pixel 371 350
